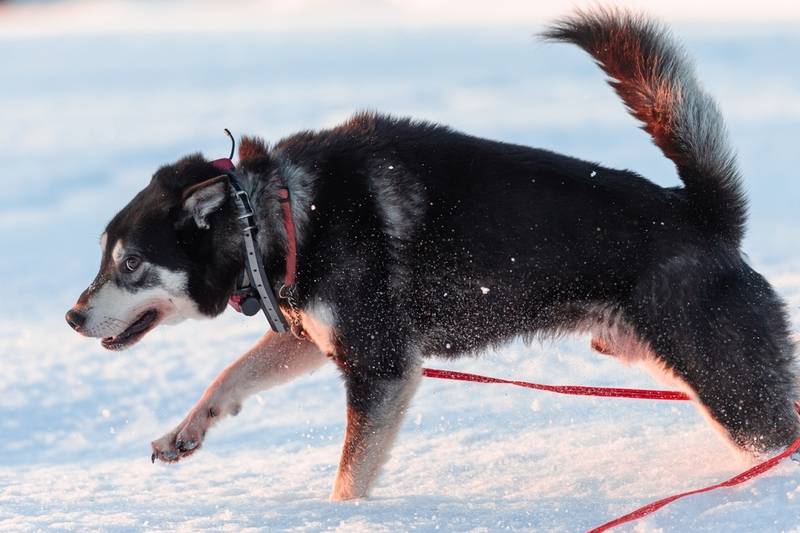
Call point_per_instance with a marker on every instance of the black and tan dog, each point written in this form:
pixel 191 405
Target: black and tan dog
pixel 414 240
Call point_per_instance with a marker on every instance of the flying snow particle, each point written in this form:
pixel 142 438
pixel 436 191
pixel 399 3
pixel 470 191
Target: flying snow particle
pixel 485 290
pixel 313 207
pixel 447 345
pixel 105 413
pixel 391 167
pixel 593 174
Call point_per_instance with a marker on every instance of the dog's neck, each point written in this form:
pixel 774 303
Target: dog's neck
pixel 254 289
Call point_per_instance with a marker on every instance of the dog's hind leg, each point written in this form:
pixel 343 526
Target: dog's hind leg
pixel 722 330
pixel 277 358
pixel 375 409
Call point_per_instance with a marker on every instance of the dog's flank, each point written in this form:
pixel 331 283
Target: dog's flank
pixel 414 240
pixel 654 78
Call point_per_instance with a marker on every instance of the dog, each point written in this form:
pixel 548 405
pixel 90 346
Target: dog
pixel 410 240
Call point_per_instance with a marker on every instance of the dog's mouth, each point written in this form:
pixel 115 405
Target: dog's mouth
pixel 132 333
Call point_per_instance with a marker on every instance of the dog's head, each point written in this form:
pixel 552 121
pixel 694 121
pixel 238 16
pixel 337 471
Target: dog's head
pixel 166 256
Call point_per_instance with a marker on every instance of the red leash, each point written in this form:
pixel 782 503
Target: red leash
pixel 612 392
pixel 575 390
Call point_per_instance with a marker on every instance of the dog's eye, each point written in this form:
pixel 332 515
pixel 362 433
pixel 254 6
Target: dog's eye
pixel 131 263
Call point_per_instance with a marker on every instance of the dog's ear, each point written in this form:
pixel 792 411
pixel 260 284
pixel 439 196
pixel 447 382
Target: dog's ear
pixel 202 199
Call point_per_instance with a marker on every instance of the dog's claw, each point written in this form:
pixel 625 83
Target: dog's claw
pixel 153 458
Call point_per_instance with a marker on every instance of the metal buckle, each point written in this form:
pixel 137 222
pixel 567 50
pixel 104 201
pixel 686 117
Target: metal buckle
pixel 282 291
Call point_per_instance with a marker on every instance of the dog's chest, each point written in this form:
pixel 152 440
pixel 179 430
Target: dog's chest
pixel 318 324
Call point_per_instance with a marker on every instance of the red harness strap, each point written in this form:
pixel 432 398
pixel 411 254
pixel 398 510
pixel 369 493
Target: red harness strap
pixel 223 164
pixel 291 238
pixel 626 393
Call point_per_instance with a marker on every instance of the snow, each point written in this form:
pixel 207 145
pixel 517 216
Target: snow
pixel 87 118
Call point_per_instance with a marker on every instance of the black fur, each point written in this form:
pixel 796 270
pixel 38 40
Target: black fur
pixel 654 78
pixel 155 224
pixel 425 241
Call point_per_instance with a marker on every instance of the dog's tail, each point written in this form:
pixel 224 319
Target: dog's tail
pixel 655 79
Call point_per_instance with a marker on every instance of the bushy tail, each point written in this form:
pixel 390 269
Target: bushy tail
pixel 655 79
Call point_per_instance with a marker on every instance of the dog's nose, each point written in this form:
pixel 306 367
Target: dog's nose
pixel 75 319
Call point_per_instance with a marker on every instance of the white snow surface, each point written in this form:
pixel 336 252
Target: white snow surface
pixel 87 118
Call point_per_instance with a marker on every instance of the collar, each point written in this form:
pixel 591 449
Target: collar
pixel 253 289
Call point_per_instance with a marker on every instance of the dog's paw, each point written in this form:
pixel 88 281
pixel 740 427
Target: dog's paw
pixel 171 449
pixel 184 440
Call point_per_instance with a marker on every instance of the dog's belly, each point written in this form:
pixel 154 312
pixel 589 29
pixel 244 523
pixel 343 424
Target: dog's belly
pixel 471 321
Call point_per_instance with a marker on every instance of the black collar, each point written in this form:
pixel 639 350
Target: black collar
pixel 253 289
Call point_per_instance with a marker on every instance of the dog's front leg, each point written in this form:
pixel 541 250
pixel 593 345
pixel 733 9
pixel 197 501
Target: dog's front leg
pixel 375 409
pixel 275 359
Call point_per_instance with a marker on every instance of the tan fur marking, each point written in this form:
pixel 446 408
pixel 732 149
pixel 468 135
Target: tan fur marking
pixel 369 438
pixel 318 325
pixel 118 252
